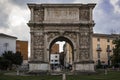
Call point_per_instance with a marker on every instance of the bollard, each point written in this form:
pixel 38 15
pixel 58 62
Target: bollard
pixel 64 77
pixel 105 71
pixel 18 73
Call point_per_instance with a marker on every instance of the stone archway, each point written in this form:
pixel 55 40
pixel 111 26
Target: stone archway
pixel 72 22
pixel 68 41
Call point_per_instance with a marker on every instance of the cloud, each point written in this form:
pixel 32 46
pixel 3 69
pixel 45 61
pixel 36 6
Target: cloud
pixel 106 19
pixel 22 3
pixel 86 1
pixel 13 20
pixel 116 5
pixel 18 22
pixel 15 14
pixel 5 7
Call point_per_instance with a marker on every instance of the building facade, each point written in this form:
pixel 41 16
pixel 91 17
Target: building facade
pixel 22 46
pixel 103 48
pixel 55 59
pixel 7 43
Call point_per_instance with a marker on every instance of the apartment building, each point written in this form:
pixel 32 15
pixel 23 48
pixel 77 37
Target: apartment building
pixel 103 47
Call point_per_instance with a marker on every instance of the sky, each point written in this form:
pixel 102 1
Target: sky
pixel 14 16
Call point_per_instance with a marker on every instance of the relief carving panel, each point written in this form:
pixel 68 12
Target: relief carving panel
pixel 38 54
pixel 51 35
pixel 71 35
pixel 38 46
pixel 39 40
pixel 84 14
pixel 84 54
pixel 39 15
pixel 84 40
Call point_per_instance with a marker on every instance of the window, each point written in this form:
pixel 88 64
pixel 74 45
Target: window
pixel 108 40
pixel 98 55
pixel 51 60
pixel 98 39
pixel 108 47
pixel 98 46
pixel 55 56
pixel 56 60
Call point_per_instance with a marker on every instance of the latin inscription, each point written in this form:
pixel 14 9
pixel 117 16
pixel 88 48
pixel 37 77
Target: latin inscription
pixel 62 14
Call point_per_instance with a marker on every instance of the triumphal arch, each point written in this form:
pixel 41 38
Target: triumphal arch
pixel 69 22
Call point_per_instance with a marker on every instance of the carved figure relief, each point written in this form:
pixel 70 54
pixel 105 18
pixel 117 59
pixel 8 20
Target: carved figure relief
pixel 71 35
pixel 84 40
pixel 84 14
pixel 52 35
pixel 39 15
pixel 39 40
pixel 38 54
pixel 84 54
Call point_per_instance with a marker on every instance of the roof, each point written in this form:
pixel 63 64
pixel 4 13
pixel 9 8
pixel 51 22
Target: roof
pixel 5 35
pixel 21 41
pixel 106 35
pixel 30 5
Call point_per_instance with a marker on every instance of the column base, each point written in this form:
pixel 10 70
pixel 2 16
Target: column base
pixel 38 66
pixel 84 66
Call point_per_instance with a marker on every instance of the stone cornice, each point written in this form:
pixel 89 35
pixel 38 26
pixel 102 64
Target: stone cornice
pixel 33 5
pixel 61 24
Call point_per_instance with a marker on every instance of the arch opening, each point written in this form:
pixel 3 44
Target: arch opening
pixel 61 59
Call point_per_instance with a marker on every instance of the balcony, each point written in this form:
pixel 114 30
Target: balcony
pixel 98 49
pixel 108 50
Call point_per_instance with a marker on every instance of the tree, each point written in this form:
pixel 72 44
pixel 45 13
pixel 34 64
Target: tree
pixel 4 63
pixel 115 58
pixel 18 58
pixel 9 58
pixel 9 55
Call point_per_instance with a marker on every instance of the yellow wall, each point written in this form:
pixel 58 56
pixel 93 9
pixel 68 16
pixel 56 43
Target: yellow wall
pixel 22 46
pixel 103 44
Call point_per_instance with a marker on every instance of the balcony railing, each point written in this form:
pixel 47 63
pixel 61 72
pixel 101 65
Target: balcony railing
pixel 98 49
pixel 108 50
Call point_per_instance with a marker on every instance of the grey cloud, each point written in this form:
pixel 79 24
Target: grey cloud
pixel 3 20
pixel 22 3
pixel 106 21
pixel 118 3
pixel 4 15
